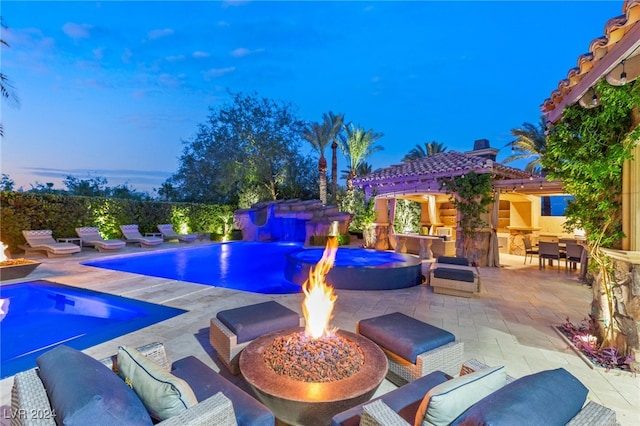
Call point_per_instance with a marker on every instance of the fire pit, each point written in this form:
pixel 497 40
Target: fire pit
pixel 11 269
pixel 299 402
pixel 307 375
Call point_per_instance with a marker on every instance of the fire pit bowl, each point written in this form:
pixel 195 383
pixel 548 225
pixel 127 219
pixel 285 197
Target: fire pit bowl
pixel 17 268
pixel 311 403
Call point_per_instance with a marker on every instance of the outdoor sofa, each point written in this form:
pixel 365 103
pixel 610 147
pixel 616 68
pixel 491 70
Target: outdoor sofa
pixel 482 395
pixel 69 387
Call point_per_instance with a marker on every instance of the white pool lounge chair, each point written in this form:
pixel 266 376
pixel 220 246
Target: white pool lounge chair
pixel 90 237
pixel 42 240
pixel 169 234
pixel 133 235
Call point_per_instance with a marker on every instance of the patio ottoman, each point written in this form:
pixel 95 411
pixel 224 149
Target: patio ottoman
pixel 233 329
pixel 413 348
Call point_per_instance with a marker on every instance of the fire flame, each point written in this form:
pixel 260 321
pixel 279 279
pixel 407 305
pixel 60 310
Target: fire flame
pixel 2 250
pixel 319 297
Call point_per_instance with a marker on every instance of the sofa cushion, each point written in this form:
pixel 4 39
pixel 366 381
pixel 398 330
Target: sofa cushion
pixel 454 274
pixel 249 322
pixel 405 400
pixel 549 397
pixel 447 401
pixel 83 391
pixel 451 260
pixel 164 394
pixel 205 382
pixel 403 335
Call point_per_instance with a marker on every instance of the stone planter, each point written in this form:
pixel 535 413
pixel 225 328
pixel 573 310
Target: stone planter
pixel 15 270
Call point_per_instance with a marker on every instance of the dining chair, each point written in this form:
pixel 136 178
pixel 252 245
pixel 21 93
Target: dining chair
pixel 550 251
pixel 574 255
pixel 529 250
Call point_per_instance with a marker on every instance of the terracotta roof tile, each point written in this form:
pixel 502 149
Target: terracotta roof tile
pixel 442 164
pixel 615 29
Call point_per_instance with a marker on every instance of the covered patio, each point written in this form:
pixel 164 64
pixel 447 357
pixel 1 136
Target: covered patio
pixel 514 215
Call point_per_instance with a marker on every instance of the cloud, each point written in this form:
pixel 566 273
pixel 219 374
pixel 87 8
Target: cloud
pixel 175 58
pixel 234 3
pixel 218 72
pixel 168 80
pixel 199 54
pixel 99 53
pixel 241 51
pixel 143 180
pixel 156 34
pixel 76 31
pixel 126 56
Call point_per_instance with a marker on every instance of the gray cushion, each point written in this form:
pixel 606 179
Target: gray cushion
pixel 549 397
pixel 454 274
pixel 405 400
pixel 205 382
pixel 164 394
pixel 447 401
pixel 451 260
pixel 83 391
pixel 403 335
pixel 249 322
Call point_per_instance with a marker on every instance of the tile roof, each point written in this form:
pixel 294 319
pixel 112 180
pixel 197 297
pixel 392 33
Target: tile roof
pixel 605 53
pixel 442 164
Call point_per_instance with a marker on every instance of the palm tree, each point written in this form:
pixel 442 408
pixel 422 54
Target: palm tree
pixel 335 124
pixel 6 89
pixel 531 142
pixel 363 169
pixel 318 136
pixel 357 145
pixel 430 148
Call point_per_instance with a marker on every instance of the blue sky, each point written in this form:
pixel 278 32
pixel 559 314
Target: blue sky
pixel 113 88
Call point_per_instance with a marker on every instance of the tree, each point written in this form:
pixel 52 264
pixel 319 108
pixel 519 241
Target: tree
pixel 357 146
pixel 318 136
pixel 167 192
pixel 530 143
pixel 429 149
pixel 336 124
pixel 363 169
pixel 248 148
pixel 92 187
pixel 6 183
pixel 6 88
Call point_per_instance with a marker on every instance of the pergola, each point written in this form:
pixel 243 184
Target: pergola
pixel 417 180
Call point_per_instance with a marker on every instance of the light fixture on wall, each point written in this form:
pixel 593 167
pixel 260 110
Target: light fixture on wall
pixel 623 74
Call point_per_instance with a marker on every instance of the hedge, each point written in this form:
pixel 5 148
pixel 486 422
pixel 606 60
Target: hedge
pixel 63 213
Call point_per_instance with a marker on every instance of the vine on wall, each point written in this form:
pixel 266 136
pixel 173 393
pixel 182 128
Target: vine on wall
pixel 586 150
pixel 470 195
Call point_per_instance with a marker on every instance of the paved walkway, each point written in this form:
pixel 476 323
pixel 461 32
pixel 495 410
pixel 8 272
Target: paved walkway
pixel 509 323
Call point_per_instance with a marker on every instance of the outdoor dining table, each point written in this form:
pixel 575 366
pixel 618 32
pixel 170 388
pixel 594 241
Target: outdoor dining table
pixel 425 244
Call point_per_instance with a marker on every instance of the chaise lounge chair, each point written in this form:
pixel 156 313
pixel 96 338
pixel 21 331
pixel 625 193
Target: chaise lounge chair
pixel 133 235
pixel 169 234
pixel 42 240
pixel 90 237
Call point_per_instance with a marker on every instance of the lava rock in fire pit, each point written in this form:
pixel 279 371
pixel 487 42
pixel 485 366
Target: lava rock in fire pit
pixel 306 359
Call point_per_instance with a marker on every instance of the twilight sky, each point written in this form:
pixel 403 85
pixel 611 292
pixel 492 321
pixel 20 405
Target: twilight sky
pixel 113 88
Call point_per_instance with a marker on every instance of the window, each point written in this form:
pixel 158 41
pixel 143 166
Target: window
pixel 554 205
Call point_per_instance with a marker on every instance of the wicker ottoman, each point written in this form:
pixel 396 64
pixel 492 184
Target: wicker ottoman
pixel 233 329
pixel 413 348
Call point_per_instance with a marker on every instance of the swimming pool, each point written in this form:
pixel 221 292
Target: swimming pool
pixel 267 267
pixel 42 314
pixel 247 266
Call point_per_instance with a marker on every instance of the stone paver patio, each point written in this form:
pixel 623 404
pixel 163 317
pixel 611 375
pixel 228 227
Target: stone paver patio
pixel 509 323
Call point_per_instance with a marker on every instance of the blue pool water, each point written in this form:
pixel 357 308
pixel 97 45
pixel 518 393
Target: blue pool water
pixel 43 314
pixel 267 267
pixel 247 266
